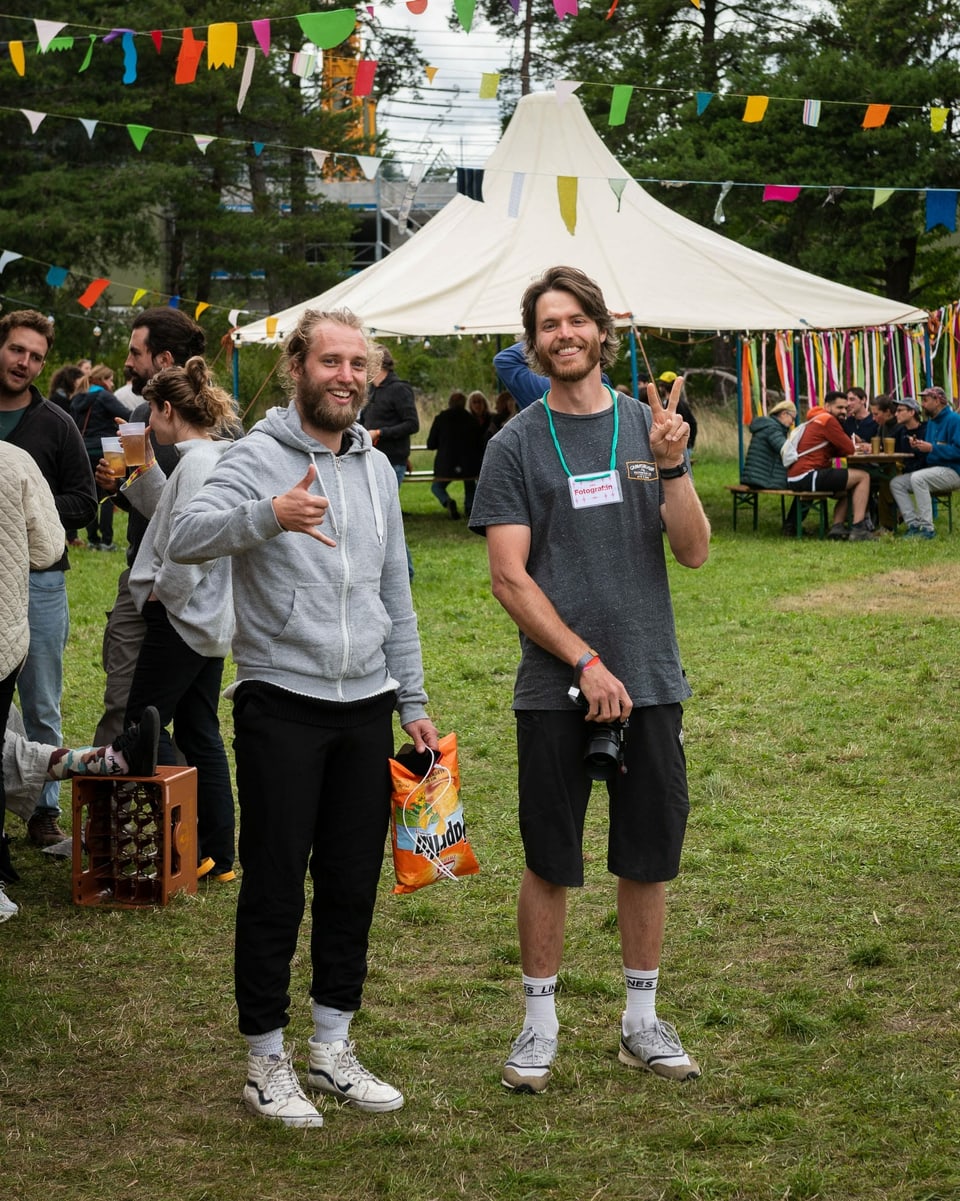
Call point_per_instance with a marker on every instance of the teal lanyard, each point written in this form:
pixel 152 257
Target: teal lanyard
pixel 556 440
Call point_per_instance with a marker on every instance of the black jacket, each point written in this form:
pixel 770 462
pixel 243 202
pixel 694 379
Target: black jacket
pixel 50 436
pixel 457 438
pixel 392 410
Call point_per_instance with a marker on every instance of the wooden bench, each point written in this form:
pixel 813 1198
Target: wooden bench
pixel 746 496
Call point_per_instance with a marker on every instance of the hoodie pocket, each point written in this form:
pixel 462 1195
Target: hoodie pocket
pixel 315 640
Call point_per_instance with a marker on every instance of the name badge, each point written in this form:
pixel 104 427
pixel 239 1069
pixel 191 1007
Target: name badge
pixel 588 491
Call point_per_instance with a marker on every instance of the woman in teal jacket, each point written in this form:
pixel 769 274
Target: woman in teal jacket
pixel 763 467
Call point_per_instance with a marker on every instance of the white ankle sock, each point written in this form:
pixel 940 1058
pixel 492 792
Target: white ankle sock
pixel 330 1025
pixel 641 999
pixel 540 995
pixel 270 1043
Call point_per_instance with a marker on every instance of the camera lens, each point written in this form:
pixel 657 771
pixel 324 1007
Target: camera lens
pixel 603 755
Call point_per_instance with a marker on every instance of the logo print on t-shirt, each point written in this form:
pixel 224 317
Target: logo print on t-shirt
pixel 641 470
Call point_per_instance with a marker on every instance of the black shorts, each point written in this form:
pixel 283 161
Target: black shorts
pixel 648 804
pixel 827 479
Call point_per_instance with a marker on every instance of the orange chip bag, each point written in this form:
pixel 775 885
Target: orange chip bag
pixel 429 830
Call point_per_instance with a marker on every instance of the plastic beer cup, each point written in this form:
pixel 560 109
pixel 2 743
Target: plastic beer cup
pixel 113 453
pixel 133 437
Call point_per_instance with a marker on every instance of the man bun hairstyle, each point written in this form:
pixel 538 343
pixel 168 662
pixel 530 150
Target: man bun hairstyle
pixel 587 292
pixel 172 331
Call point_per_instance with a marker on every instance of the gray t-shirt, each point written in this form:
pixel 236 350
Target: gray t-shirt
pixel 603 568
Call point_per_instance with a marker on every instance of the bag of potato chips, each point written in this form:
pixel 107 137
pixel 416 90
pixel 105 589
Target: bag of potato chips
pixel 429 830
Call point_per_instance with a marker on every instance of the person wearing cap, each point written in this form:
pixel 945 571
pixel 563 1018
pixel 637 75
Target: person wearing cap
pixel 941 445
pixel 763 467
pixel 907 413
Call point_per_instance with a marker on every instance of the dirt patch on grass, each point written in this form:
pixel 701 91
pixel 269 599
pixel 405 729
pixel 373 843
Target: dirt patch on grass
pixel 927 592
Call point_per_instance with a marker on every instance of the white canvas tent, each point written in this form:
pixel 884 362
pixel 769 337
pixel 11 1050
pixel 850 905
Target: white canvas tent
pixel 465 271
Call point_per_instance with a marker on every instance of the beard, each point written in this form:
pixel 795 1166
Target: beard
pixel 563 371
pixel 323 414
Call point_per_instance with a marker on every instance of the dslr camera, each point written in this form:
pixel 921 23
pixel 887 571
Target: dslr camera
pixel 603 758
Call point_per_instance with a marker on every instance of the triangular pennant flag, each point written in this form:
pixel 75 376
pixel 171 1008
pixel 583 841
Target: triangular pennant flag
pixel 489 83
pixel 363 83
pixel 91 42
pixel 261 31
pixel 719 217
pixel 564 89
pixel 417 7
pixel 304 63
pixel 157 38
pixel 516 191
pixel 203 140
pixel 465 12
pixel 139 134
pixel 515 5
pixel 811 112
pixel 258 148
pixel 271 329
pixel 470 182
pixel 234 314
pixel 774 191
pixel 755 108
pixel 56 277
pixel 833 194
pixel 369 164
pixel 35 119
pixel 942 208
pixel 199 309
pixel 59 44
pixel 319 157
pixel 617 186
pixel 89 124
pixel 430 72
pixel 17 58
pixel 173 302
pixel 565 8
pixel 47 31
pixel 695 3
pixel 8 256
pixel 222 45
pixel 93 292
pixel 567 195
pixel 188 60
pixel 881 196
pixel 246 77
pixel 328 29
pixel 611 10
pixel 875 116
pixel 129 58
pixel 619 103
pixel 703 99
pixel 138 295
pixel 938 119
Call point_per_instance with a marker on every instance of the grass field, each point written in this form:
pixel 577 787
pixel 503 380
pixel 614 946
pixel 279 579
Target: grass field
pixel 812 947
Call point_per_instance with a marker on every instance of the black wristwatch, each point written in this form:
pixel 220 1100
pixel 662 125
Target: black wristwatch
pixel 673 473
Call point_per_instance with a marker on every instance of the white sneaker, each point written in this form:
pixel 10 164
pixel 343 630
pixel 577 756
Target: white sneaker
pixel 528 1068
pixel 272 1090
pixel 335 1069
pixel 8 908
pixel 658 1049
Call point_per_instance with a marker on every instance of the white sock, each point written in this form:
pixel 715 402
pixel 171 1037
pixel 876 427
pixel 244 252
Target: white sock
pixel 540 995
pixel 270 1043
pixel 330 1025
pixel 641 999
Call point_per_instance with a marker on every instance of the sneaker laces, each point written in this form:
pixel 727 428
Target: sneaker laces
pixel 283 1078
pixel 347 1062
pixel 532 1049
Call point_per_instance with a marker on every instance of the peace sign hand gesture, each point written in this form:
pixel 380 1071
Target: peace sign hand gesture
pixel 669 432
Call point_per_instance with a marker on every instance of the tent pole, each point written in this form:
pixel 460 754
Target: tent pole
pixel 236 371
pixel 740 402
pixel 634 377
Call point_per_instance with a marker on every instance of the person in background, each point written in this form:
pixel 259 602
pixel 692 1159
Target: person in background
pixel 63 384
pixel 31 538
pixel 941 473
pixel 326 650
pixel 479 408
pixel 859 422
pixel 504 407
pixel 95 409
pixel 574 498
pixel 457 438
pixel 390 415
pixel 820 443
pixel 665 382
pixel 909 429
pixel 762 465
pixel 884 417
pixel 187 610
pixel 160 337
pixel 125 393
pixel 50 436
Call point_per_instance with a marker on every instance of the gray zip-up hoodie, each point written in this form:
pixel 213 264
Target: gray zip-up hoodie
pixel 334 623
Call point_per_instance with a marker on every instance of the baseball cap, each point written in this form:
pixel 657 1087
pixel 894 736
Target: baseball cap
pixel 667 376
pixel 907 402
pixel 937 392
